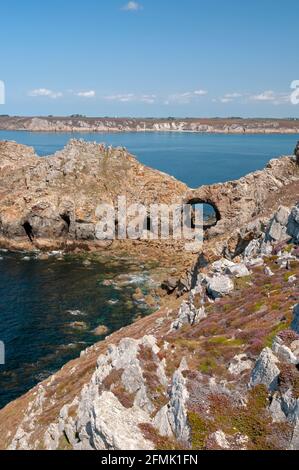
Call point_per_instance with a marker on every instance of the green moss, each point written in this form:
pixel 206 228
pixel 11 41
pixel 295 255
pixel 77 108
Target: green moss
pixel 218 340
pixel 226 308
pixel 222 340
pixel 275 306
pixel 190 345
pixel 235 342
pixel 207 365
pixel 257 307
pixel 287 276
pixel 242 282
pixel 266 288
pixel 253 420
pixel 288 248
pixel 200 430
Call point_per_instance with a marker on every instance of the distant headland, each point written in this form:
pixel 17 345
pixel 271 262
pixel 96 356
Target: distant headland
pixel 80 123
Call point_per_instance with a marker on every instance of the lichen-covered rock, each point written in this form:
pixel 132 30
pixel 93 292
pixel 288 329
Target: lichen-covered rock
pixel 266 371
pixel 238 270
pixel 172 418
pixel 283 352
pixel 114 427
pixel 295 322
pixel 99 404
pixel 189 313
pixel 278 226
pixel 220 286
pixel 293 224
pixel 239 364
pixel 225 266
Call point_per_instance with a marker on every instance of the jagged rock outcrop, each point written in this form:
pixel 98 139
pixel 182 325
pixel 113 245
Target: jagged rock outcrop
pixel 192 310
pixel 109 412
pixel 295 323
pixel 276 369
pixel 266 371
pixel 239 202
pixel 172 419
pixel 56 198
pixel 219 286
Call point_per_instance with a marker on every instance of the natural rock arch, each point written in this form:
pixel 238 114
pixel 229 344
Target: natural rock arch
pixel 198 201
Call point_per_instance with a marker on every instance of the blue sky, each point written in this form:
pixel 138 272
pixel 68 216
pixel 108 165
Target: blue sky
pixel 149 58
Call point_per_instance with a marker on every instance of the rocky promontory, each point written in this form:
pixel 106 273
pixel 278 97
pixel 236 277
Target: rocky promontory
pixel 216 367
pixel 53 201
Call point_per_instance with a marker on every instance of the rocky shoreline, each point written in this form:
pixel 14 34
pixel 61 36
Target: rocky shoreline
pixel 216 367
pixel 52 203
pixel 200 125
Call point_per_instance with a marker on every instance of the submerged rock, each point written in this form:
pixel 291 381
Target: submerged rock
pixel 101 330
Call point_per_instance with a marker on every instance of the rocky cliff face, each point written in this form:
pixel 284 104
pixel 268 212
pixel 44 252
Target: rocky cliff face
pixel 54 201
pixel 57 197
pixel 216 369
pixel 84 124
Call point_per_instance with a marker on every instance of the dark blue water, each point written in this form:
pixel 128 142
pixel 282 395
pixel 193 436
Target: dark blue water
pixel 50 309
pixel 195 159
pixel 35 296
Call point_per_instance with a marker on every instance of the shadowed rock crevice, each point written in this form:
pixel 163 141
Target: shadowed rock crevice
pixel 66 218
pixel 29 231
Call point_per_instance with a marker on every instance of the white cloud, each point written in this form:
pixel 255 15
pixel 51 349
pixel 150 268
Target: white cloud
pixel 272 97
pixel 123 98
pixel 226 100
pixel 150 99
pixel 265 96
pixel 86 94
pixel 132 6
pixel 229 97
pixel 131 97
pixel 45 92
pixel 186 97
pixel 200 92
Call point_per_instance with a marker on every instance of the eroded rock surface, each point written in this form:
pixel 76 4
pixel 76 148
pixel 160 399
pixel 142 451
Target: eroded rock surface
pixel 215 369
pixel 56 199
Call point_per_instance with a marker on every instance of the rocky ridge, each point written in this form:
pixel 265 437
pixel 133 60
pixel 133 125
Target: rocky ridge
pixel 53 202
pixel 84 124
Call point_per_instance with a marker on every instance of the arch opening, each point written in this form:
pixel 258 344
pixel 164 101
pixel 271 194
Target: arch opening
pixel 206 210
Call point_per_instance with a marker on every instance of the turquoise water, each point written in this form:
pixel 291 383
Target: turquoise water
pixel 49 310
pixel 195 159
pixel 41 300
